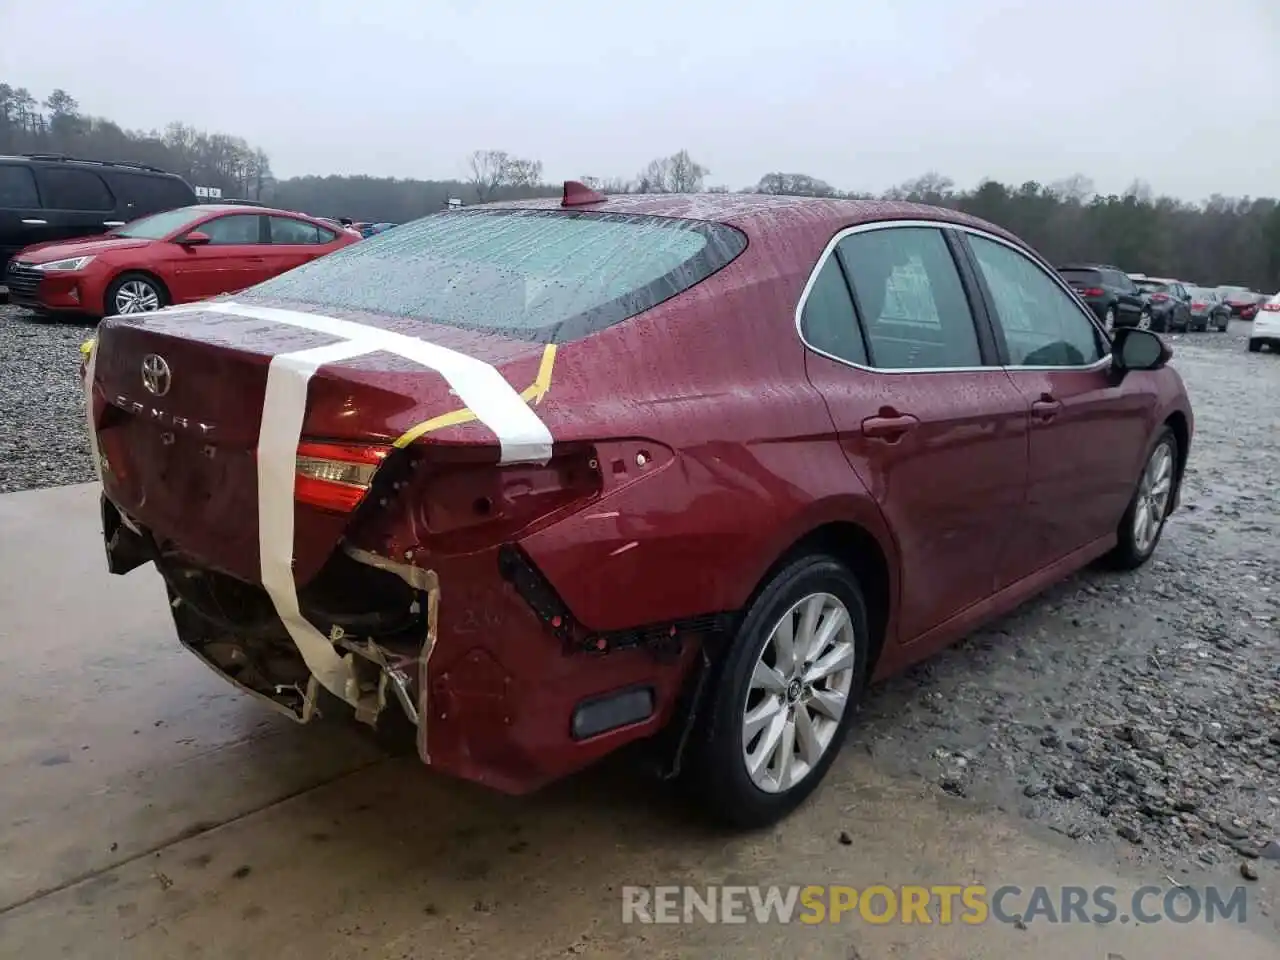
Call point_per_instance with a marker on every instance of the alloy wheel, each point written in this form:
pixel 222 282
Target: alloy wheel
pixel 137 296
pixel 799 692
pixel 1154 491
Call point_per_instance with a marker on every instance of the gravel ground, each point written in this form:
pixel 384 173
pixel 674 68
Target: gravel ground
pixel 1140 710
pixel 42 432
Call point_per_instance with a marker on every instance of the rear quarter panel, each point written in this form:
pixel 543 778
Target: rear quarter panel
pixel 715 376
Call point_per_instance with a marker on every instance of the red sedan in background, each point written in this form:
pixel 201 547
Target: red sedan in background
pixel 177 256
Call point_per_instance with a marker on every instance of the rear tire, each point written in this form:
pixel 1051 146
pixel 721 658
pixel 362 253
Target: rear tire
pixel 757 696
pixel 1255 346
pixel 1153 495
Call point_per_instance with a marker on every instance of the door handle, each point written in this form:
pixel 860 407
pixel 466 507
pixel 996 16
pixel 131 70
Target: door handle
pixel 1046 408
pixel 35 223
pixel 254 260
pixel 889 426
pixel 113 223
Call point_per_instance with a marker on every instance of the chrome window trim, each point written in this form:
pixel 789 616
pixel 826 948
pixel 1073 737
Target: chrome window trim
pixel 939 225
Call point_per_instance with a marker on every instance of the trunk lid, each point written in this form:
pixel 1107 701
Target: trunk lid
pixel 178 401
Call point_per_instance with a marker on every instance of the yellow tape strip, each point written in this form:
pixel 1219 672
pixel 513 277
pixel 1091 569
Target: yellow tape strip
pixel 86 348
pixel 531 394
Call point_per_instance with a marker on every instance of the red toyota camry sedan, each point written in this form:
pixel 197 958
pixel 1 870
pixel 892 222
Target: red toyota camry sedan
pixel 549 477
pixel 178 256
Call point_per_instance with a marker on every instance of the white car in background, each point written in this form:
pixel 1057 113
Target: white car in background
pixel 1266 327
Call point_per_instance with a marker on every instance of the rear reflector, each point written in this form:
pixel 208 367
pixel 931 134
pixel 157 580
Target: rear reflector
pixel 602 714
pixel 336 476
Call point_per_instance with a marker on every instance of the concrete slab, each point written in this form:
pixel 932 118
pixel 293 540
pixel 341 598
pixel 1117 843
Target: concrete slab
pixel 149 810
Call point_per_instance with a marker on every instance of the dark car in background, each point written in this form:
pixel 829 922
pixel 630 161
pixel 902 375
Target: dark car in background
pixel 1209 310
pixel 1110 294
pixel 50 197
pixel 1170 303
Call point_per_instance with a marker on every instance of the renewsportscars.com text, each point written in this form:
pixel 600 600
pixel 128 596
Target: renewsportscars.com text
pixel 942 904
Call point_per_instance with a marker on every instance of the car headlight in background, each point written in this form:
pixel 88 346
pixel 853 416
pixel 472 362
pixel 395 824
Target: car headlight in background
pixel 70 265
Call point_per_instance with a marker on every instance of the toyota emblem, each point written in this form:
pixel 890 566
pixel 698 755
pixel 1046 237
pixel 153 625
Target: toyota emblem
pixel 155 374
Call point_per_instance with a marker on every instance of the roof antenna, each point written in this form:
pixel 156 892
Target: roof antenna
pixel 580 195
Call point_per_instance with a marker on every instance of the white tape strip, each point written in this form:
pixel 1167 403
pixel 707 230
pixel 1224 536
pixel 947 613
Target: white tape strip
pixel 283 409
pixel 522 436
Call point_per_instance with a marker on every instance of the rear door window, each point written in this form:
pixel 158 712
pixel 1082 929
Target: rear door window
pixel 18 187
pixel 143 194
pixel 287 230
pixel 66 188
pixel 828 320
pixel 912 303
pixel 542 275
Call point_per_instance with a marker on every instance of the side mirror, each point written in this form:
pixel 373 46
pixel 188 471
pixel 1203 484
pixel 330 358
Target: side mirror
pixel 1134 349
pixel 194 239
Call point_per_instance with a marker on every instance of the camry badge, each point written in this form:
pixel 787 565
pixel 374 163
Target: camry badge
pixel 155 374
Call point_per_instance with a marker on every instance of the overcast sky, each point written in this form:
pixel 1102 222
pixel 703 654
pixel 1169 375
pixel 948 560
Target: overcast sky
pixel 862 93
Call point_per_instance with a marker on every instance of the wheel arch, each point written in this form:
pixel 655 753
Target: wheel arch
pixel 1177 422
pixel 854 544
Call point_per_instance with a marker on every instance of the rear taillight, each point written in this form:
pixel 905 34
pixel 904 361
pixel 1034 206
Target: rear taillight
pixel 1271 307
pixel 1197 306
pixel 1160 297
pixel 1091 292
pixel 336 476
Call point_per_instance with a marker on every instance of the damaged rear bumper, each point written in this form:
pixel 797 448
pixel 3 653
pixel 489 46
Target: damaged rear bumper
pixel 499 693
pixel 229 625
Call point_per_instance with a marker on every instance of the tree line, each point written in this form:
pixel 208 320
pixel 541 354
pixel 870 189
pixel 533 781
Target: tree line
pixel 1222 240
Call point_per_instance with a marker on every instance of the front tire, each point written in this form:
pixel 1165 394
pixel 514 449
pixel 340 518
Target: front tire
pixel 1143 522
pixel 784 696
pixel 132 293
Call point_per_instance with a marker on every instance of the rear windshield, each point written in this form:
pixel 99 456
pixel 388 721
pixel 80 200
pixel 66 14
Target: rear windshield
pixel 1091 277
pixel 542 275
pixel 1150 286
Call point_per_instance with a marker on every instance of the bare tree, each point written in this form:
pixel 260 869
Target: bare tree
pixel 492 170
pixel 678 173
pixel 1074 189
pixel 794 184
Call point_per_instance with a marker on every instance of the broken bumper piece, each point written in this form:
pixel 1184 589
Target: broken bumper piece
pixel 231 626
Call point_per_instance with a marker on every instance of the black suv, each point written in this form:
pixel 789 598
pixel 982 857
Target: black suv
pixel 51 197
pixel 1109 292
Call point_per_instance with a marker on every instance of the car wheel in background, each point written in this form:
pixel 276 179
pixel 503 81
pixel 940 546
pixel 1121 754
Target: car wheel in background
pixel 133 293
pixel 1109 321
pixel 1143 521
pixel 1144 319
pixel 783 696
